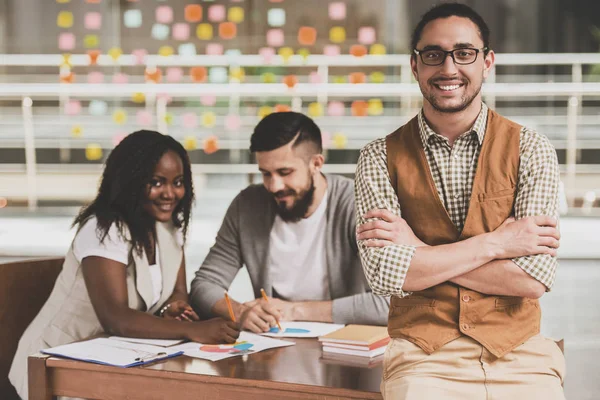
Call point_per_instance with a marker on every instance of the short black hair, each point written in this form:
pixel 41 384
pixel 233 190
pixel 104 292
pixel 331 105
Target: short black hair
pixel 280 128
pixel 123 188
pixel 446 10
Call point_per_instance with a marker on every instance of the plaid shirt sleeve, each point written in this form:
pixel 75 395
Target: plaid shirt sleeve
pixel 537 194
pixel 385 267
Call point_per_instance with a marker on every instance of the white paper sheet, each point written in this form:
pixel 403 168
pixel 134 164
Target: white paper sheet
pixel 303 329
pixel 247 343
pixel 152 342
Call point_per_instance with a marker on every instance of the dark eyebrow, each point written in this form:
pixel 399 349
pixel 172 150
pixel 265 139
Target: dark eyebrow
pixel 456 46
pixel 463 45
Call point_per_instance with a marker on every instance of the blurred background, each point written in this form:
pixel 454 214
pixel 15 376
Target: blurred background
pixel 76 76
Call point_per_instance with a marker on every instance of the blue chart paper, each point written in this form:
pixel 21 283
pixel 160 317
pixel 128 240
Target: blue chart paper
pixel 299 329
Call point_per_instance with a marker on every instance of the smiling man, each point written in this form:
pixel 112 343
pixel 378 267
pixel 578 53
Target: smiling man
pixel 457 222
pixel 296 234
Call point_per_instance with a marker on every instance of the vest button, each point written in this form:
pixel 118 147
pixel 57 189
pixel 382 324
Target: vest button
pixel 466 298
pixel 465 327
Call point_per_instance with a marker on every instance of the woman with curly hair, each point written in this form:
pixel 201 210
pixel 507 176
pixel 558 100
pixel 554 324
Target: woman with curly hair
pixel 124 273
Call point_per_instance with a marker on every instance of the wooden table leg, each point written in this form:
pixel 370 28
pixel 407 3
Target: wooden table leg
pixel 39 388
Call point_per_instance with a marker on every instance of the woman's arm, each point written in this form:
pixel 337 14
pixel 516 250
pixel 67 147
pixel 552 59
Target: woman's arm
pixel 177 305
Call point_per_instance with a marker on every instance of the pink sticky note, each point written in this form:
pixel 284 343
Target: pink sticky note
pixel 165 96
pixel 189 120
pixel 216 13
pixel 120 78
pixel 325 139
pixel 144 118
pixel 214 49
pixel 164 15
pixel 93 20
pixel 95 77
pixel 275 37
pixel 267 54
pixel 66 41
pixel 73 107
pixel 332 50
pixel 181 31
pixel 233 122
pixel 366 35
pixel 174 74
pixel 208 100
pixel 335 109
pixel 139 56
pixel 118 138
pixel 314 77
pixel 337 10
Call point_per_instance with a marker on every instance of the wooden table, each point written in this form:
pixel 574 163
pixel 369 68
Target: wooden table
pixel 294 372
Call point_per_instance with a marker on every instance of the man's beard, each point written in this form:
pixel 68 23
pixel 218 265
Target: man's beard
pixel 466 101
pixel 300 206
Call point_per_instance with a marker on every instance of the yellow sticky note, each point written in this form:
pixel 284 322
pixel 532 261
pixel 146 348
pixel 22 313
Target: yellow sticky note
pixel 63 1
pixel 138 97
pixel 304 53
pixel 268 77
pixel 377 77
pixel 315 109
pixel 204 31
pixel 76 131
pixel 375 107
pixel 119 117
pixel 235 14
pixel 90 41
pixel 115 53
pixel 340 140
pixel 209 119
pixel 339 79
pixel 64 19
pixel 264 111
pixel 337 34
pixel 190 143
pixel 166 51
pixel 93 152
pixel 169 118
pixel 377 50
pixel 237 73
pixel 285 53
pixel 66 61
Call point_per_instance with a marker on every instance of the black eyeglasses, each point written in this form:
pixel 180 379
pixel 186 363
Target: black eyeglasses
pixel 462 56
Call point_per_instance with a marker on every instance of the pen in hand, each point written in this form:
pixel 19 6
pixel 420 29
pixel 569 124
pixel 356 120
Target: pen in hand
pixel 231 314
pixel 264 296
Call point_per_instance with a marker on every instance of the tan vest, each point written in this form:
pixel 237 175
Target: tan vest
pixel 433 317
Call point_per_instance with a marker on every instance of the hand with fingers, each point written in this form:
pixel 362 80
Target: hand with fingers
pixel 213 331
pixel 261 315
pixel 525 237
pixel 386 228
pixel 181 311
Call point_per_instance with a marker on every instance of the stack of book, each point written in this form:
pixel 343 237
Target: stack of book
pixel 356 342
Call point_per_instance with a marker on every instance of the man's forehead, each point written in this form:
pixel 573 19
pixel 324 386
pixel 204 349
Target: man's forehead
pixel 450 32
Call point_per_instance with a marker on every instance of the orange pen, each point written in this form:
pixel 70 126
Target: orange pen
pixel 264 295
pixel 231 314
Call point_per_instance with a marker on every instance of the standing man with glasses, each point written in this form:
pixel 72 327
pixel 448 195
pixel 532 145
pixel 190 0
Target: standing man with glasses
pixel 457 215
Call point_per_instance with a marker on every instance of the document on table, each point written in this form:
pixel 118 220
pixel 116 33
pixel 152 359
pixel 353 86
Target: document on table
pixel 302 329
pixel 247 343
pixel 152 342
pixel 113 352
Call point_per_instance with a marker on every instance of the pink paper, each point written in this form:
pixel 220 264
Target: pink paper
pixel 139 56
pixel 174 74
pixel 275 37
pixel 325 139
pixel 95 77
pixel 337 10
pixel 120 78
pixel 181 31
pixel 118 138
pixel 93 20
pixel 366 35
pixel 267 54
pixel 335 109
pixel 314 77
pixel 208 100
pixel 332 50
pixel 66 41
pixel 73 107
pixel 233 122
pixel 165 96
pixel 189 120
pixel 144 118
pixel 164 14
pixel 214 49
pixel 216 13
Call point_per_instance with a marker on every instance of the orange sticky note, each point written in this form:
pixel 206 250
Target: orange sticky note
pixel 153 75
pixel 359 108
pixel 93 54
pixel 198 74
pixel 227 30
pixel 357 77
pixel 358 50
pixel 307 35
pixel 290 80
pixel 211 145
pixel 282 108
pixel 193 13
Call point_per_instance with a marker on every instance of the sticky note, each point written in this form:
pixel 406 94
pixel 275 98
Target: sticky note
pixel 331 50
pixel 95 77
pixel 132 18
pixel 366 35
pixel 339 140
pixel 169 118
pixel 153 74
pixel 314 77
pixel 290 81
pixel 66 41
pixel 214 49
pixel 93 55
pixel 164 14
pixel 216 13
pixel 66 61
pixel 235 15
pixel 325 139
pixel 189 120
pixel 160 31
pixel 210 145
pixel 268 77
pixel 93 152
pixel 315 109
pixel 138 97
pixel 73 107
pixel 304 53
pixel 118 138
pixel 377 50
pixel 237 74
pixel 337 34
pixel 181 31
pixel 337 10
pixel 233 122
pixel 119 116
pixel 208 100
pixel 276 17
pixel 339 79
pixel 377 77
pixel 227 30
pixel 187 49
pixel 275 37
pixel 190 143
pixel 92 20
pixel 357 77
pixel 76 131
pixel 209 119
pixel 281 108
pixel 285 53
pixel 67 77
pixel 359 108
pixel 174 74
pixel 204 31
pixel 358 50
pixel 335 109
pixel 166 51
pixel 64 19
pixel 198 74
pixel 307 35
pixel 233 52
pixel 267 54
pixel 97 107
pixel 264 111
pixel 115 53
pixel 375 107
pixel 62 1
pixel 91 41
pixel 144 118
pixel 217 75
pixel 193 13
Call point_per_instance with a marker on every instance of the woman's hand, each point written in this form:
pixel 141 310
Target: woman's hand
pixel 181 311
pixel 213 331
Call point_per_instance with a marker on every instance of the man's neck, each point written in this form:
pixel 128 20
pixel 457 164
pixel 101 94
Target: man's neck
pixel 452 125
pixel 320 189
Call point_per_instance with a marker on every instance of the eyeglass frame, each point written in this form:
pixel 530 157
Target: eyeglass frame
pixel 451 53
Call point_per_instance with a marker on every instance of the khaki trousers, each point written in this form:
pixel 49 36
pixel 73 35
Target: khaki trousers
pixel 463 369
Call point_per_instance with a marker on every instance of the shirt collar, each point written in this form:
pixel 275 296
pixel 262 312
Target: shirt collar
pixel 478 127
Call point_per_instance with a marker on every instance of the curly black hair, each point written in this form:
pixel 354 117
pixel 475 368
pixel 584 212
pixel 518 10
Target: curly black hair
pixel 123 189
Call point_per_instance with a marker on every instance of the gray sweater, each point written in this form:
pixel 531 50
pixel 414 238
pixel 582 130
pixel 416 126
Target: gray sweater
pixel 243 239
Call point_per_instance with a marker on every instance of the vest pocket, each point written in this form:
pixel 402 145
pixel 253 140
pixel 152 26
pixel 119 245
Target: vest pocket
pixel 483 197
pixel 511 301
pixel 411 301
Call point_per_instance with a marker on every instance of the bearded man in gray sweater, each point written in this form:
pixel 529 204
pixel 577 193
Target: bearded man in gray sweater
pixel 296 234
